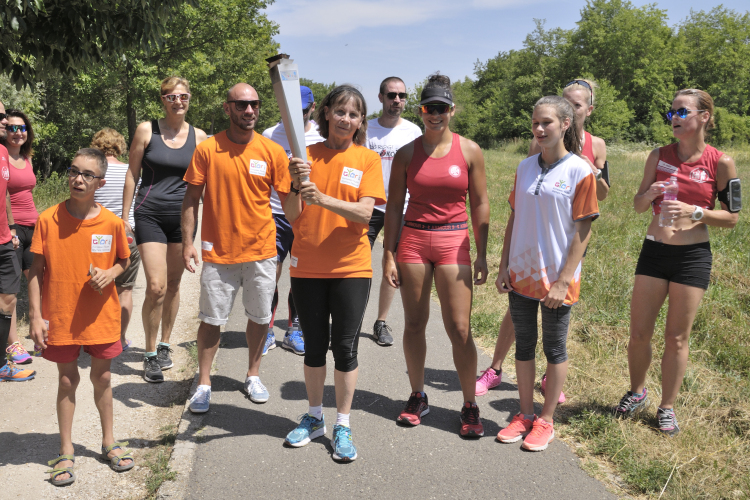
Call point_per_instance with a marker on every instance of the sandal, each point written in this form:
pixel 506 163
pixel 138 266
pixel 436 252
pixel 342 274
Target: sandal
pixel 114 462
pixel 61 470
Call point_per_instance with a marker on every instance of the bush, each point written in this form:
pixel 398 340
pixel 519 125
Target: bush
pixel 730 128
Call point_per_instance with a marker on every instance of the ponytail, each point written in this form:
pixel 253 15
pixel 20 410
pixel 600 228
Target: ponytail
pixel 563 110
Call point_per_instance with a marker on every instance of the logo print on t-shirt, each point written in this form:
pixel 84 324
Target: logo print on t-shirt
pixel 699 175
pixel 666 167
pixel 101 243
pixel 6 173
pixel 351 177
pixel 258 167
pixel 562 187
pixel 454 171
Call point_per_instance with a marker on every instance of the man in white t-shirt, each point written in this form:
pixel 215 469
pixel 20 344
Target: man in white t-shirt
pixel 293 339
pixel 386 135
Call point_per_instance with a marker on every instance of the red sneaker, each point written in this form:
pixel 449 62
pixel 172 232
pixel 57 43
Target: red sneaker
pixel 542 433
pixel 416 408
pixel 519 427
pixel 471 425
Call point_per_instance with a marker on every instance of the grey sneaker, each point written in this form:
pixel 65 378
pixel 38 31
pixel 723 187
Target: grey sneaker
pixel 163 355
pixel 631 403
pixel 382 333
pixel 667 422
pixel 201 400
pixel 152 370
pixel 256 390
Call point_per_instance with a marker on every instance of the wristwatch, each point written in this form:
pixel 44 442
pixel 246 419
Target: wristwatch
pixel 598 174
pixel 293 189
pixel 697 213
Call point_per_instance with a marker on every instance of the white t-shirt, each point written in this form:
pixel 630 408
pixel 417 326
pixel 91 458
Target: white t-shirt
pixel 110 195
pixel 385 142
pixel 277 134
pixel 547 204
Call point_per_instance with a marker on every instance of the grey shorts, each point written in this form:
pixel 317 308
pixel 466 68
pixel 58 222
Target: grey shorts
pixel 127 279
pixel 221 282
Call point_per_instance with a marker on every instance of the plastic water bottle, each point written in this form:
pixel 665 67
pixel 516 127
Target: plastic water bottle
pixel 670 193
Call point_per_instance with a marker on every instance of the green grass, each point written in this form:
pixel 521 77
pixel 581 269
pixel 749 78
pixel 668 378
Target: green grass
pixel 709 459
pixel 157 461
pixel 51 191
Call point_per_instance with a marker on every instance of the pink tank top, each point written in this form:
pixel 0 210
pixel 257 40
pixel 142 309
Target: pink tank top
pixel 20 184
pixel 696 180
pixel 437 186
pixel 588 147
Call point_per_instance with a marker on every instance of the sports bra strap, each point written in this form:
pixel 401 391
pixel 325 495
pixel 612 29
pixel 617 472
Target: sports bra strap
pixel 155 127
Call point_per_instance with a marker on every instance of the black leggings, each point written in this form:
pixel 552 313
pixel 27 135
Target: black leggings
pixel 523 312
pixel 344 301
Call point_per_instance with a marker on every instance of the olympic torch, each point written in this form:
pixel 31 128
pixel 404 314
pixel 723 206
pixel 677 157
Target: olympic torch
pixel 285 79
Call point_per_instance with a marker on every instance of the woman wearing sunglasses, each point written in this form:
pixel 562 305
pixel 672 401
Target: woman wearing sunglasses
pixel 439 169
pixel 20 137
pixel 160 153
pixel 675 261
pixel 593 150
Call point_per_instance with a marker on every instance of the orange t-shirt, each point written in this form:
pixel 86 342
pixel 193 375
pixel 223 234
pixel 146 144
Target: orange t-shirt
pixel 77 314
pixel 238 225
pixel 326 245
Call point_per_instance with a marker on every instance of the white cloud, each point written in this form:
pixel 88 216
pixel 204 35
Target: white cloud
pixel 339 17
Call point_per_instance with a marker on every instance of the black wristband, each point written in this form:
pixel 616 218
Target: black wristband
pixel 293 190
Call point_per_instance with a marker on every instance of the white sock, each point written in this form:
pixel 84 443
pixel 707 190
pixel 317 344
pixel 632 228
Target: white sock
pixel 342 419
pixel 316 411
pixel 254 378
pixel 204 387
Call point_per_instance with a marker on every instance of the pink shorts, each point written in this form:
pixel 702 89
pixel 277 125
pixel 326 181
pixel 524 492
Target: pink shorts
pixel 418 246
pixel 69 353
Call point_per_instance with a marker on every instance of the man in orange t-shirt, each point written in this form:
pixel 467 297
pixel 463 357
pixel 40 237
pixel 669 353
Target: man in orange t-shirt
pixel 238 168
pixel 80 248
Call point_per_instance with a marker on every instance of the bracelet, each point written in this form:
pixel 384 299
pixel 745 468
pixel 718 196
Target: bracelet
pixel 293 189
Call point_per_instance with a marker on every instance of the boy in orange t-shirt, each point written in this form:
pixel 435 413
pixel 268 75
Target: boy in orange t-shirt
pixel 80 248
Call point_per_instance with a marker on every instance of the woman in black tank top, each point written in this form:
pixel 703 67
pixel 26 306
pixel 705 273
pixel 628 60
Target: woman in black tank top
pixel 160 153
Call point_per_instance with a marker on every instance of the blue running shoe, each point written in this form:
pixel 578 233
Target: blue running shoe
pixel 293 341
pixel 343 448
pixel 308 429
pixel 201 400
pixel 270 342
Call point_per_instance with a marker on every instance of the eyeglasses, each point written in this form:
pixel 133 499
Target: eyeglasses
pixel 242 105
pixel 682 113
pixel 392 95
pixel 74 172
pixel 16 128
pixel 440 109
pixel 174 97
pixel 582 83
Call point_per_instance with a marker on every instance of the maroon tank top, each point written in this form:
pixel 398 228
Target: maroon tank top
pixel 437 186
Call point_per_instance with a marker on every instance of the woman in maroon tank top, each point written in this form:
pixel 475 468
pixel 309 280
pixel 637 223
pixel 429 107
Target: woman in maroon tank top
pixel 439 169
pixel 580 94
pixel 676 258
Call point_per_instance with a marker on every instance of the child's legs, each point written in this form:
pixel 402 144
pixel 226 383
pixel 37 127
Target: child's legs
pixel 506 336
pixel 523 311
pixel 101 378
pixel 555 323
pixel 68 379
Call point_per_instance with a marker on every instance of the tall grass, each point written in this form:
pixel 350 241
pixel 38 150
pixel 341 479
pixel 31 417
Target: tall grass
pixel 51 191
pixel 710 458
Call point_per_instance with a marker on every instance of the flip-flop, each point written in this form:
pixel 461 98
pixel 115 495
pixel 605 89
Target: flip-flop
pixel 127 345
pixel 56 471
pixel 114 462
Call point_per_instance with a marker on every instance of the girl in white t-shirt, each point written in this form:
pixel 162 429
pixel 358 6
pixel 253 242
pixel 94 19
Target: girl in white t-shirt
pixel 553 202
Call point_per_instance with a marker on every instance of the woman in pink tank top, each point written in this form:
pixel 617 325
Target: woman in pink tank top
pixel 20 136
pixel 676 257
pixel 580 94
pixel 439 169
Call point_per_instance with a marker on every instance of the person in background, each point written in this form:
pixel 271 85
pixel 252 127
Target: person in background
pixel 112 144
pixel 293 339
pixel 18 141
pixel 161 151
pixel 386 135
pixel 676 258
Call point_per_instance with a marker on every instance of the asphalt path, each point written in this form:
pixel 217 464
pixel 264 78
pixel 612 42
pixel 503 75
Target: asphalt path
pixel 240 452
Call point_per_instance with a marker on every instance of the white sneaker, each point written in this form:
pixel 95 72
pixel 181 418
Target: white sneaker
pixel 201 400
pixel 256 390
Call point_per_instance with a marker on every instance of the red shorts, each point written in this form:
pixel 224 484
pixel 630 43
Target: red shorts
pixel 69 353
pixel 418 246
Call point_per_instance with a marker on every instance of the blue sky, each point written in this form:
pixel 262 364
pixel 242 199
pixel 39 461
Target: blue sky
pixel 364 41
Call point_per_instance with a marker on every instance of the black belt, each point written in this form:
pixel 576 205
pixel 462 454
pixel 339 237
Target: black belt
pixel 426 226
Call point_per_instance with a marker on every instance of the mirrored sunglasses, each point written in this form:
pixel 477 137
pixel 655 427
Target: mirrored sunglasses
pixel 17 128
pixel 682 113
pixel 174 97
pixel 440 109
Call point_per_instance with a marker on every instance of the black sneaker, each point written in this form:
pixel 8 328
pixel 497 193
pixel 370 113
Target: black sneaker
pixel 152 370
pixel 162 354
pixel 382 333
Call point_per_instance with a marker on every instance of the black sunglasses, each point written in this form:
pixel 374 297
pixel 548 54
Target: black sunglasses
pixel 3 116
pixel 682 113
pixel 392 95
pixel 242 105
pixel 16 128
pixel 440 109
pixel 74 172
pixel 583 83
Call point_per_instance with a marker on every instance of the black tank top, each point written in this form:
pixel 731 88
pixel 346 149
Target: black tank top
pixel 162 170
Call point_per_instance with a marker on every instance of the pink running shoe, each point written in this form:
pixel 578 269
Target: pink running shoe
pixel 542 433
pixel 561 399
pixel 487 380
pixel 17 354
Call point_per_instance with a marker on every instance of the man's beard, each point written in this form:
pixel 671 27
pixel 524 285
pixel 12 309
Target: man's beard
pixel 238 121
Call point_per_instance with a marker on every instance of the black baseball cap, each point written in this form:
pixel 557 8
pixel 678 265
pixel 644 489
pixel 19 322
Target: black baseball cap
pixel 435 94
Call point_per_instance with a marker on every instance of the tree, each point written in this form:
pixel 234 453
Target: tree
pixel 37 36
